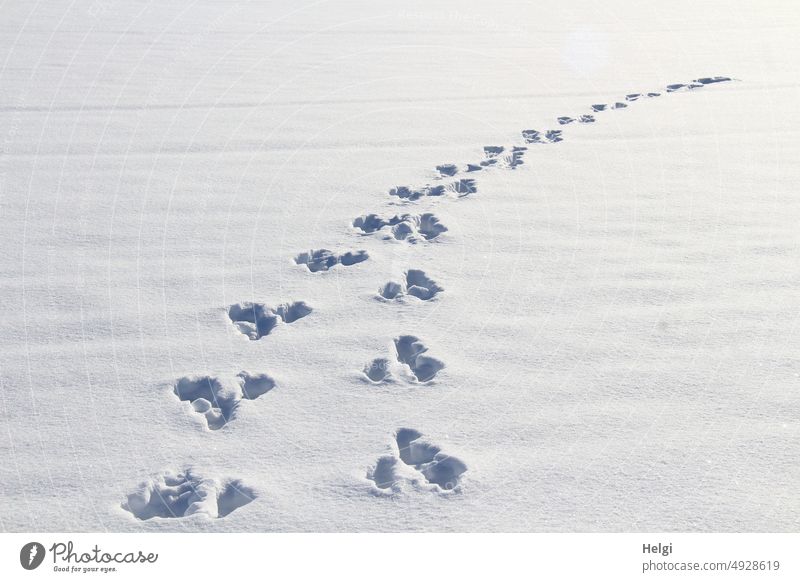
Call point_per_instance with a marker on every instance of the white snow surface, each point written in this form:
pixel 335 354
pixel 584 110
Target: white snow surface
pixel 613 331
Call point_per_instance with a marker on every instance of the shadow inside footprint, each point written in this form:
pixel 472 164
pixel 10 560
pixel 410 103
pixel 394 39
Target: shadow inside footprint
pixel 417 284
pixel 710 80
pixel 377 371
pixel 499 156
pixel 411 352
pixel 404 437
pixel 446 170
pixel 323 259
pixel 384 473
pixel 352 258
pixel 216 402
pixel 184 494
pixel 234 495
pixel 429 226
pixel 405 192
pixel 291 312
pixel 533 136
pixel 391 290
pixel 207 397
pixel 444 471
pixel 438 468
pixel 464 187
pixel 460 187
pixel 169 497
pixel 255 385
pixel 406 227
pixel 255 320
pixel 370 223
pixel 318 260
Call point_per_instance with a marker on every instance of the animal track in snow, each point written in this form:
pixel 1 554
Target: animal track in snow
pixel 696 84
pixel 378 371
pixel 630 97
pixel 323 259
pixel 408 193
pixel 255 320
pixel 411 352
pixel 439 469
pixel 417 284
pixel 579 119
pixel 676 86
pixel 409 361
pixel 604 107
pixel 458 188
pixel 417 461
pixel 217 400
pixel 711 80
pixel 534 136
pixel 406 227
pixel 186 493
pixel 387 473
pixel 463 187
pixel 501 157
pixel 446 170
pixel 450 170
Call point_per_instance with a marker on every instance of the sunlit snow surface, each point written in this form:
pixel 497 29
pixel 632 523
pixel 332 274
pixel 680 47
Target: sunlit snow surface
pixel 362 266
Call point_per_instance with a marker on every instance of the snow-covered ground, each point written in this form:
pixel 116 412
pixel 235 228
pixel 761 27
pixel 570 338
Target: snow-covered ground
pixel 610 326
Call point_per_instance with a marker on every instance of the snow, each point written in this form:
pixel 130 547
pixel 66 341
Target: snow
pixel 601 338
